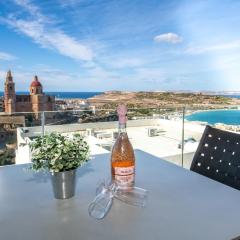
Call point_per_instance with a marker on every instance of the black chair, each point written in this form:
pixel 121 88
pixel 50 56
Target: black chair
pixel 218 157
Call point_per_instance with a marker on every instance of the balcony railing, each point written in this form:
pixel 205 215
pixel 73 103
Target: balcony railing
pixel 163 132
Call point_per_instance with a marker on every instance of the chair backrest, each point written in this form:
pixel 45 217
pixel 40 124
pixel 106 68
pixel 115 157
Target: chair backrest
pixel 218 156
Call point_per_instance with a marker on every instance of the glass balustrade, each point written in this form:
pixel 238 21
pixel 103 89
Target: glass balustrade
pixel 170 133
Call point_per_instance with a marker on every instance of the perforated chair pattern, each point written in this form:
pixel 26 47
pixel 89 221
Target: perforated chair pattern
pixel 218 156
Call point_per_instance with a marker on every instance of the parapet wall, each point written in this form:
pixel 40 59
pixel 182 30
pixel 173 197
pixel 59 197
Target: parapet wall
pixel 34 131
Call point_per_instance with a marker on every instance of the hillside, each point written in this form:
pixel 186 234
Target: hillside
pixel 110 100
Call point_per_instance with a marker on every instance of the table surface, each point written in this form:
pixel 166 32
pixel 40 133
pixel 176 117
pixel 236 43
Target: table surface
pixel 181 205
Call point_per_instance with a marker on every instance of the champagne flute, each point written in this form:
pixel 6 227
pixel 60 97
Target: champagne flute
pixel 107 191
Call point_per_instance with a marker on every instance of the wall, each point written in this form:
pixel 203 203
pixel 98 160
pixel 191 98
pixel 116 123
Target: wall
pixel 23 107
pixel 33 131
pixel 42 103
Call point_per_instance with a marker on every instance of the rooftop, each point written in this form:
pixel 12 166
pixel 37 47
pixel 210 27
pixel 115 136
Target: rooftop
pixel 35 82
pixel 158 137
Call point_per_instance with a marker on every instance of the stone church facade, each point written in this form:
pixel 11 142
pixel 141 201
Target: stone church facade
pixel 36 101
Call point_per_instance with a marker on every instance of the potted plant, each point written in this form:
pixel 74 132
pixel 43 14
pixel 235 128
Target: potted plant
pixel 61 155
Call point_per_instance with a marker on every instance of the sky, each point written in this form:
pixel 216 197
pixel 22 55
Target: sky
pixel 137 45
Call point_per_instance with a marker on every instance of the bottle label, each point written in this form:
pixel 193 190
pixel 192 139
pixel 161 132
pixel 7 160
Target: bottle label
pixel 123 171
pixel 124 176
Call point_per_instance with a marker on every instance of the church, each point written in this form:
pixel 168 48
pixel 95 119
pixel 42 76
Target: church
pixel 36 101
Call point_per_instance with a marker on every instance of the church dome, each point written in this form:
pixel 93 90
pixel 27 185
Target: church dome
pixel 35 82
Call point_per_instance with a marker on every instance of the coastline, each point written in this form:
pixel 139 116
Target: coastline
pixel 210 110
pixel 221 120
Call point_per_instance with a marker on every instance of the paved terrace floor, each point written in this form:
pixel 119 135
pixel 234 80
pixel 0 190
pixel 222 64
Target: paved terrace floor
pixel 164 146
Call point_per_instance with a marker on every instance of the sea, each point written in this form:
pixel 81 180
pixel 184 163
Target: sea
pixel 64 95
pixel 229 117
pixel 231 96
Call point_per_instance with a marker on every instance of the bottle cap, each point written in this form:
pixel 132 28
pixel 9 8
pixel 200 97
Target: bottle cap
pixel 122 113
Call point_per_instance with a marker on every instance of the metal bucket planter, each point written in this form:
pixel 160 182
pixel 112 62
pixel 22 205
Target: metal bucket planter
pixel 64 184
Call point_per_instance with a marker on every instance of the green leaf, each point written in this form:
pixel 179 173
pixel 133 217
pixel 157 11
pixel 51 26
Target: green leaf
pixel 55 152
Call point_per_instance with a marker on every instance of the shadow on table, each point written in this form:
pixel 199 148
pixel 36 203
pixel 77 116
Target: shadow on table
pixel 236 238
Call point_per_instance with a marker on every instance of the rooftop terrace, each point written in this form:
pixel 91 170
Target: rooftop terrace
pixel 164 141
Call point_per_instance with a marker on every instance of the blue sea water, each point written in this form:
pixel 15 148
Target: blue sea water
pixel 63 95
pixel 83 95
pixel 231 96
pixel 230 117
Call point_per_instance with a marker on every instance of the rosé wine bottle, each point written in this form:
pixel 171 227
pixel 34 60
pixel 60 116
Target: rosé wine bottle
pixel 122 158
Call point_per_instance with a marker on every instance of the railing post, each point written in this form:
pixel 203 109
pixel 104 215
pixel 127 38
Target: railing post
pixel 183 125
pixel 43 122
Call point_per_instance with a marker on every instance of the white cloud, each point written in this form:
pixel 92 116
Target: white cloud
pixel 41 31
pixel 6 56
pixel 216 47
pixel 55 79
pixel 168 37
pixel 155 75
pixel 32 9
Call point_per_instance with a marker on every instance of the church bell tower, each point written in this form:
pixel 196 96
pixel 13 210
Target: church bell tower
pixel 9 94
